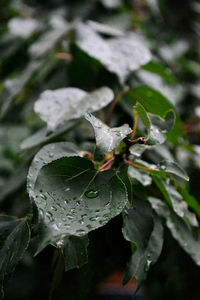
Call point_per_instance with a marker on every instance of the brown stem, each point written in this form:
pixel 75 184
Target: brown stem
pixel 138 166
pixel 103 168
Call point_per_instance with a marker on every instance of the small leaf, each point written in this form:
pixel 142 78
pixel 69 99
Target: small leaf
pixel 164 168
pixel 107 138
pixel 173 168
pixel 144 116
pixel 155 103
pixel 58 106
pixel 14 240
pixel 75 251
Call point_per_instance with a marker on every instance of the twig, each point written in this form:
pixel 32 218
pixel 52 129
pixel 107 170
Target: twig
pixel 103 168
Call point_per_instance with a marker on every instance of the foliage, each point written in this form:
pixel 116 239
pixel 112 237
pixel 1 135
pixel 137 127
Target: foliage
pixel 99 156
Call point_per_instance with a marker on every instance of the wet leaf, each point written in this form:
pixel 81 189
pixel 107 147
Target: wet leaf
pixel 67 210
pixel 46 155
pixel 75 251
pixel 179 229
pixel 14 240
pixel 58 106
pixel 144 230
pixel 107 138
pixel 120 56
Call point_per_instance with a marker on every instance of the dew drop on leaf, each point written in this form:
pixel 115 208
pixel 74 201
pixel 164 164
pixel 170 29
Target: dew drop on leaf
pixel 92 193
pixel 148 265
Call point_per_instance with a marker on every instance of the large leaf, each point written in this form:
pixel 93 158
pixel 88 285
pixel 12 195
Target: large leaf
pixel 42 136
pixel 73 198
pixel 107 138
pixel 179 229
pixel 14 240
pixel 58 106
pixel 119 55
pixel 144 230
pixel 46 155
pixel 75 251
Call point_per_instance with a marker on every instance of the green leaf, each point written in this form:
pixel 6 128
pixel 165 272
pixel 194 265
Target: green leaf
pixel 138 149
pixel 191 201
pixel 120 56
pixel 139 175
pixel 179 229
pixel 155 103
pixel 42 136
pixel 73 198
pixel 107 138
pixel 166 123
pixel 46 155
pixel 172 167
pixel 75 251
pixel 143 116
pixel 14 240
pixel 157 68
pixel 144 229
pixel 175 200
pixel 138 223
pixel 155 125
pixel 58 106
pixel 122 172
pixel 163 169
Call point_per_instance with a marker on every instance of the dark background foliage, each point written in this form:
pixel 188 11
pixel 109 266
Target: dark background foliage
pixel 171 30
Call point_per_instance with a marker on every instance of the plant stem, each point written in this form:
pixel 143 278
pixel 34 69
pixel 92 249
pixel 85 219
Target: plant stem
pixel 103 168
pixel 138 166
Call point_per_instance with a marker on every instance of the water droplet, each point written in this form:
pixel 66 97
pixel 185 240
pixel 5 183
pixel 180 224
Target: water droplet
pixel 49 216
pixel 81 231
pixel 163 167
pixel 60 243
pixel 53 208
pixel 92 194
pixel 148 265
pixel 67 189
pixel 94 219
pixel 43 196
pixel 51 155
pixel 89 227
pixel 69 217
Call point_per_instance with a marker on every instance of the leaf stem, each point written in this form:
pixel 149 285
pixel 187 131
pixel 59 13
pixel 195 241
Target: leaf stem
pixel 104 167
pixel 138 166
